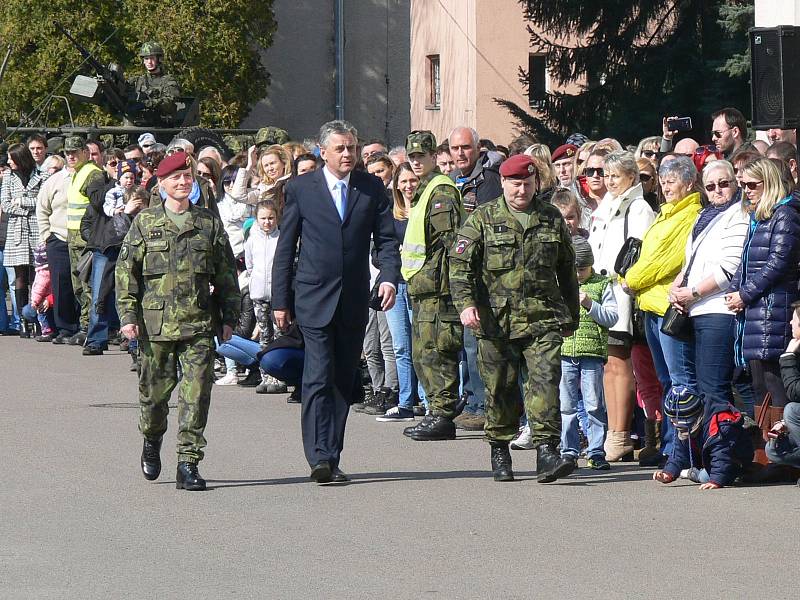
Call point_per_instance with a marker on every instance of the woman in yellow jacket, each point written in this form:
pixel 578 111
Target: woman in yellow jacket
pixel 662 256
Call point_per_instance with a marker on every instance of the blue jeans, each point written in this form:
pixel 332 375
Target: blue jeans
pixel 285 364
pixel 45 319
pixel 713 353
pixel 8 276
pixel 473 384
pixel 99 323
pixel 582 380
pixel 674 363
pixel 399 320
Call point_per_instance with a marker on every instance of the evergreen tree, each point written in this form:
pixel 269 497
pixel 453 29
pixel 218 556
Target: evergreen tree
pixel 635 61
pixel 212 49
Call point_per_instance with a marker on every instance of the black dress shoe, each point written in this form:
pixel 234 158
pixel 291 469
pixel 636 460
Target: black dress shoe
pixel 294 397
pixel 151 459
pixel 322 472
pixel 339 476
pixel 501 462
pixel 188 478
pixel 550 465
pixel 432 428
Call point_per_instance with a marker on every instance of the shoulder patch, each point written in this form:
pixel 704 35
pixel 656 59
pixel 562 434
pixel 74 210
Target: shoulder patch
pixel 462 244
pixel 123 253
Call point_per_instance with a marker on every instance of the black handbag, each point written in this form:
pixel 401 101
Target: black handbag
pixel 630 252
pixel 677 324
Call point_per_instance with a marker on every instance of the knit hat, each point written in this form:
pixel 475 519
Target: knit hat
pixel 127 166
pixel 683 407
pixel 583 252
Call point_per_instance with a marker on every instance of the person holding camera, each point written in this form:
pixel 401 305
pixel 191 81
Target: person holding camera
pixel 783 447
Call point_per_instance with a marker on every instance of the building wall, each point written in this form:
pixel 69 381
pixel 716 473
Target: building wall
pixel 777 12
pixel 301 61
pixel 446 28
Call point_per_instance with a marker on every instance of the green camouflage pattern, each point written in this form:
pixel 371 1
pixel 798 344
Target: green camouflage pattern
pixel 423 142
pixel 83 291
pixel 158 378
pixel 436 331
pixel 151 49
pixel 442 221
pixel 436 341
pixel 499 363
pixel 271 135
pixel 157 93
pixel 239 143
pixel 522 281
pixel 163 276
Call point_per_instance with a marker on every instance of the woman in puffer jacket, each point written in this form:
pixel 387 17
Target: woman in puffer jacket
pixel 765 285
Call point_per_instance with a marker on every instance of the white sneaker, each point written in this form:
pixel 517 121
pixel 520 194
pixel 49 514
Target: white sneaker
pixel 523 441
pixel 229 379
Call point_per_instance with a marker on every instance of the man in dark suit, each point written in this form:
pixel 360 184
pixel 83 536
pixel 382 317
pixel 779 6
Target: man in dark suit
pixel 334 212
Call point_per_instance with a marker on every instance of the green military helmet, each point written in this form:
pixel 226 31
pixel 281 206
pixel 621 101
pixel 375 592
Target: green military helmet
pixel 420 142
pixel 233 142
pixel 151 49
pixel 267 136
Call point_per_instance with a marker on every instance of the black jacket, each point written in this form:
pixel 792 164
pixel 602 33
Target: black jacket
pixel 482 185
pixel 247 318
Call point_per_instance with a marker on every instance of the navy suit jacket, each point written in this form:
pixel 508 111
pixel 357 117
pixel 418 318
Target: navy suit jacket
pixel 334 255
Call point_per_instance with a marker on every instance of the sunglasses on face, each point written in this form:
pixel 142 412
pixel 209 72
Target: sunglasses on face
pixel 204 174
pixel 723 184
pixel 645 177
pixel 594 172
pixel 752 185
pixel 112 164
pixel 718 134
pixel 648 153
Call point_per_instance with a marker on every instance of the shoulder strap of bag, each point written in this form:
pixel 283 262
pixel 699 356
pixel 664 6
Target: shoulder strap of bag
pixel 763 411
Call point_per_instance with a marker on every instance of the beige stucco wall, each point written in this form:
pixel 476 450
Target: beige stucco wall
pixel 502 48
pixel 447 28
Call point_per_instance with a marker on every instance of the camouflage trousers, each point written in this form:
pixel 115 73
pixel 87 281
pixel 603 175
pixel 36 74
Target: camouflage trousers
pixel 83 291
pixel 499 363
pixel 436 341
pixel 158 377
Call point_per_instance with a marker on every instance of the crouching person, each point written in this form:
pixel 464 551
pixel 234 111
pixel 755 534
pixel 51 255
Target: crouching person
pixel 711 444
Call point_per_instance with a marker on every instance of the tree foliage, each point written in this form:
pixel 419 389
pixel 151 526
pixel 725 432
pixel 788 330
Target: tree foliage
pixel 212 49
pixel 634 61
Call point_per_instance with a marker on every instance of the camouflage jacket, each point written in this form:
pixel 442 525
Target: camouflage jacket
pixel 522 282
pixel 164 276
pixel 158 94
pixel 442 221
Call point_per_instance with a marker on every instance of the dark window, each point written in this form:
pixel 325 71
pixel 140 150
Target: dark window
pixel 537 79
pixel 434 82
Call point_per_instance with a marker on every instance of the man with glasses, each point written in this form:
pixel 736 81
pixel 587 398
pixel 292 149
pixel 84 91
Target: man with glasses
pixel 728 130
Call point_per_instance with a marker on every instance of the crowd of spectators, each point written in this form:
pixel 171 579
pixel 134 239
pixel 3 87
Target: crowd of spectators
pixel 696 335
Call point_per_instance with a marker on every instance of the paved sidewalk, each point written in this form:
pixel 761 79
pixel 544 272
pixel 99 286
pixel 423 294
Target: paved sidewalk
pixel 419 520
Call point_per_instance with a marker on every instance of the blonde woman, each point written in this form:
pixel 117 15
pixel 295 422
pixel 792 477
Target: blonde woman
pixel 765 285
pixel 547 173
pixel 269 166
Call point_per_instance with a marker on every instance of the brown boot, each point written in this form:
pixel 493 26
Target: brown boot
pixel 618 446
pixel 650 455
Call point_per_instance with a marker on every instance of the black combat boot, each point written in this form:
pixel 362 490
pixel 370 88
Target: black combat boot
pixel 501 462
pixel 188 478
pixel 550 465
pixel 432 428
pixel 151 459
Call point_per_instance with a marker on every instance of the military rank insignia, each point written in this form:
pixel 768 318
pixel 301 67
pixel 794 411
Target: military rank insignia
pixel 155 234
pixel 461 245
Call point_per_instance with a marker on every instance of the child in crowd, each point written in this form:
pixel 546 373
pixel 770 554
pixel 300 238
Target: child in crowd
pixel 259 252
pixel 41 301
pixel 583 355
pixel 565 200
pixel 232 212
pixel 783 447
pixel 127 173
pixel 712 444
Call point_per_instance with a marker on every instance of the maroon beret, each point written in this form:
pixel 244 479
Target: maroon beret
pixel 519 166
pixel 179 161
pixel 565 151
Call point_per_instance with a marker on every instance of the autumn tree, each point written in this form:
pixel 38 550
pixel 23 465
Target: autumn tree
pixel 212 49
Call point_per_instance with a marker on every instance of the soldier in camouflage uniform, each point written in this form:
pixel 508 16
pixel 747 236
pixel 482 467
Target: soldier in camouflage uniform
pixel 155 91
pixel 512 276
pixel 169 259
pixel 436 333
pixel 270 136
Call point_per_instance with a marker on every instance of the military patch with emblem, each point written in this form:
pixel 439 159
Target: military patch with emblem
pixel 123 254
pixel 500 228
pixel 461 245
pixel 437 205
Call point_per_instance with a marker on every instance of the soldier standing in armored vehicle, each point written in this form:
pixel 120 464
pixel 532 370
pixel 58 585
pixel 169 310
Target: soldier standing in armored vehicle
pixel 156 91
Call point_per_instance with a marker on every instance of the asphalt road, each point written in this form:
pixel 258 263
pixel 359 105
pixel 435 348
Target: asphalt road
pixel 419 520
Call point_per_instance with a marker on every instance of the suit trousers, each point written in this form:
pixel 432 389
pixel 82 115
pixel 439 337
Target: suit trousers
pixel 65 306
pixel 330 371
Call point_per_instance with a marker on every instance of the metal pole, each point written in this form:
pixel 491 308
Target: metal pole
pixel 338 33
pixel 5 63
